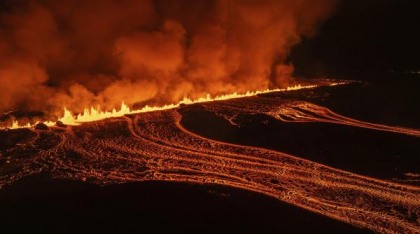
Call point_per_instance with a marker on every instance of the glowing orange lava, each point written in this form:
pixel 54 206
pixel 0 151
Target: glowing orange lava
pixel 94 114
pixel 156 146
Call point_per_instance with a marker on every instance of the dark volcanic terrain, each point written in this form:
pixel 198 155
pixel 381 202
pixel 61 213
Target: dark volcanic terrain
pixel 339 159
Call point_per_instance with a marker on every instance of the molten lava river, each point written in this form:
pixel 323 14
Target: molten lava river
pixel 159 146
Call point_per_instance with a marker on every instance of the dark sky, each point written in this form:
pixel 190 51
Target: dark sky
pixel 363 37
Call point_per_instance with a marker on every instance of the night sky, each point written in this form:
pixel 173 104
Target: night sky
pixel 363 37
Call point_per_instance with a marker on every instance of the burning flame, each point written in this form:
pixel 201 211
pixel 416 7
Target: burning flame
pixel 94 114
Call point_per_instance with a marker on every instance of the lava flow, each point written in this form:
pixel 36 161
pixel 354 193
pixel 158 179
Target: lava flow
pixel 156 146
pixel 95 114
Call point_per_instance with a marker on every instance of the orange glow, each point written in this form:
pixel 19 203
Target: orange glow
pixel 315 113
pixel 156 146
pixel 95 114
pixel 131 56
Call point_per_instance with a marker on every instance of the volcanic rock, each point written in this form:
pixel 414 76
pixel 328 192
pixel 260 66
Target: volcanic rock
pixel 41 126
pixel 60 124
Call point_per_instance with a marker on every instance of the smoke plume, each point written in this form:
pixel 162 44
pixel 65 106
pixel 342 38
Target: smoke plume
pixel 78 53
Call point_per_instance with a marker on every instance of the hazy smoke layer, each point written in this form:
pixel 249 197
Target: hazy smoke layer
pixel 78 53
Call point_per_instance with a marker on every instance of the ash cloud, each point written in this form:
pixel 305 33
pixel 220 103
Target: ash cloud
pixel 77 53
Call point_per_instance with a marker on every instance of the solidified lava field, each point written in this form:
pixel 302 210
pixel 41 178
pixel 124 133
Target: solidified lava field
pixel 295 147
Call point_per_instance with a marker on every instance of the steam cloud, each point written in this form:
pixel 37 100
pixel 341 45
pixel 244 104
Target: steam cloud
pixel 77 53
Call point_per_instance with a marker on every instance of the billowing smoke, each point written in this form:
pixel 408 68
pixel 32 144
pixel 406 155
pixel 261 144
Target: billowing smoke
pixel 78 53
